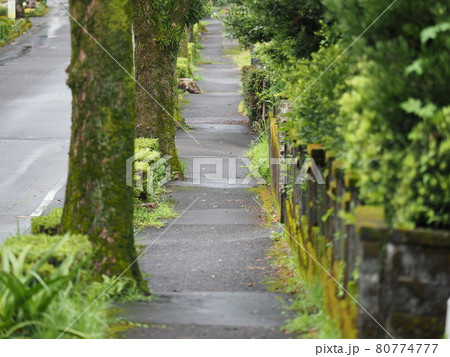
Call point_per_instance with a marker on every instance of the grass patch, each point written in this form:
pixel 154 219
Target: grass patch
pixel 259 155
pixel 240 56
pixel 267 201
pixel 242 109
pixel 205 61
pixel 311 320
pixel 46 282
pixel 153 217
pixel 44 287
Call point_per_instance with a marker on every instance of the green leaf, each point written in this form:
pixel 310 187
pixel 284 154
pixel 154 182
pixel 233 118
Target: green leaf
pixel 414 106
pixel 416 67
pixel 432 31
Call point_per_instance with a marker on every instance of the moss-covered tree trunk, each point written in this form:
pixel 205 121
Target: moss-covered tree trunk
pixel 155 116
pixel 190 33
pixel 183 50
pixel 98 202
pixel 158 27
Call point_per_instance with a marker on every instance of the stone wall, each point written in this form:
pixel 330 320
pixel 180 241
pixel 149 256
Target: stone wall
pixel 404 282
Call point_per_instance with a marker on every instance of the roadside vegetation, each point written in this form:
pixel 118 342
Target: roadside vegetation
pixel 10 29
pixel 46 283
pixel 40 10
pixel 374 132
pixel 306 300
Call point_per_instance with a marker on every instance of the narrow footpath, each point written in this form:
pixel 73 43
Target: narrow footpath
pixel 208 268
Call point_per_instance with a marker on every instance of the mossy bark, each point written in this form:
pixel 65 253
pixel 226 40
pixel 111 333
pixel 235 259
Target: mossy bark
pixel 156 63
pixel 190 33
pixel 183 51
pixel 98 202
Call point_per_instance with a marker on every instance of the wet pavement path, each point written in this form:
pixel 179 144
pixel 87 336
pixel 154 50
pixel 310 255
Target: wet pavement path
pixel 208 268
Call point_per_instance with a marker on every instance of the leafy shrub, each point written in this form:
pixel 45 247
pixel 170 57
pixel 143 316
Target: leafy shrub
pixel 255 91
pixel 38 305
pixel 41 9
pixel 292 26
pixel 188 54
pixel 3 11
pixel 315 110
pixel 38 246
pixel 184 68
pixel 47 224
pixel 5 28
pixel 396 110
pixel 149 169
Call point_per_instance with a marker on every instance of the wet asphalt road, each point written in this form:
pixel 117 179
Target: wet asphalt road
pixel 35 108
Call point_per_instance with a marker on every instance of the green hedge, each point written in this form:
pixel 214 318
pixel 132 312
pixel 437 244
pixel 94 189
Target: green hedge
pixel 47 224
pixel 5 28
pixel 185 68
pixel 147 154
pixel 11 29
pixel 396 111
pixel 253 91
pixel 382 104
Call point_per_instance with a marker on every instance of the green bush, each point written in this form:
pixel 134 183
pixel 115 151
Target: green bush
pixel 3 11
pixel 5 28
pixel 253 91
pixel 41 9
pixel 37 305
pixel 47 224
pixel 38 246
pixel 292 26
pixel 184 68
pixel 396 111
pixel 383 106
pixel 148 165
pixel 315 111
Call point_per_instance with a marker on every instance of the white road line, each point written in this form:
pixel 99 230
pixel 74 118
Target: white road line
pixel 49 197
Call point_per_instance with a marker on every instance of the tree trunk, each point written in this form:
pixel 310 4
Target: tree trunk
pixel 190 33
pixel 183 50
pixel 98 202
pixel 19 9
pixel 156 63
pixel 158 67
